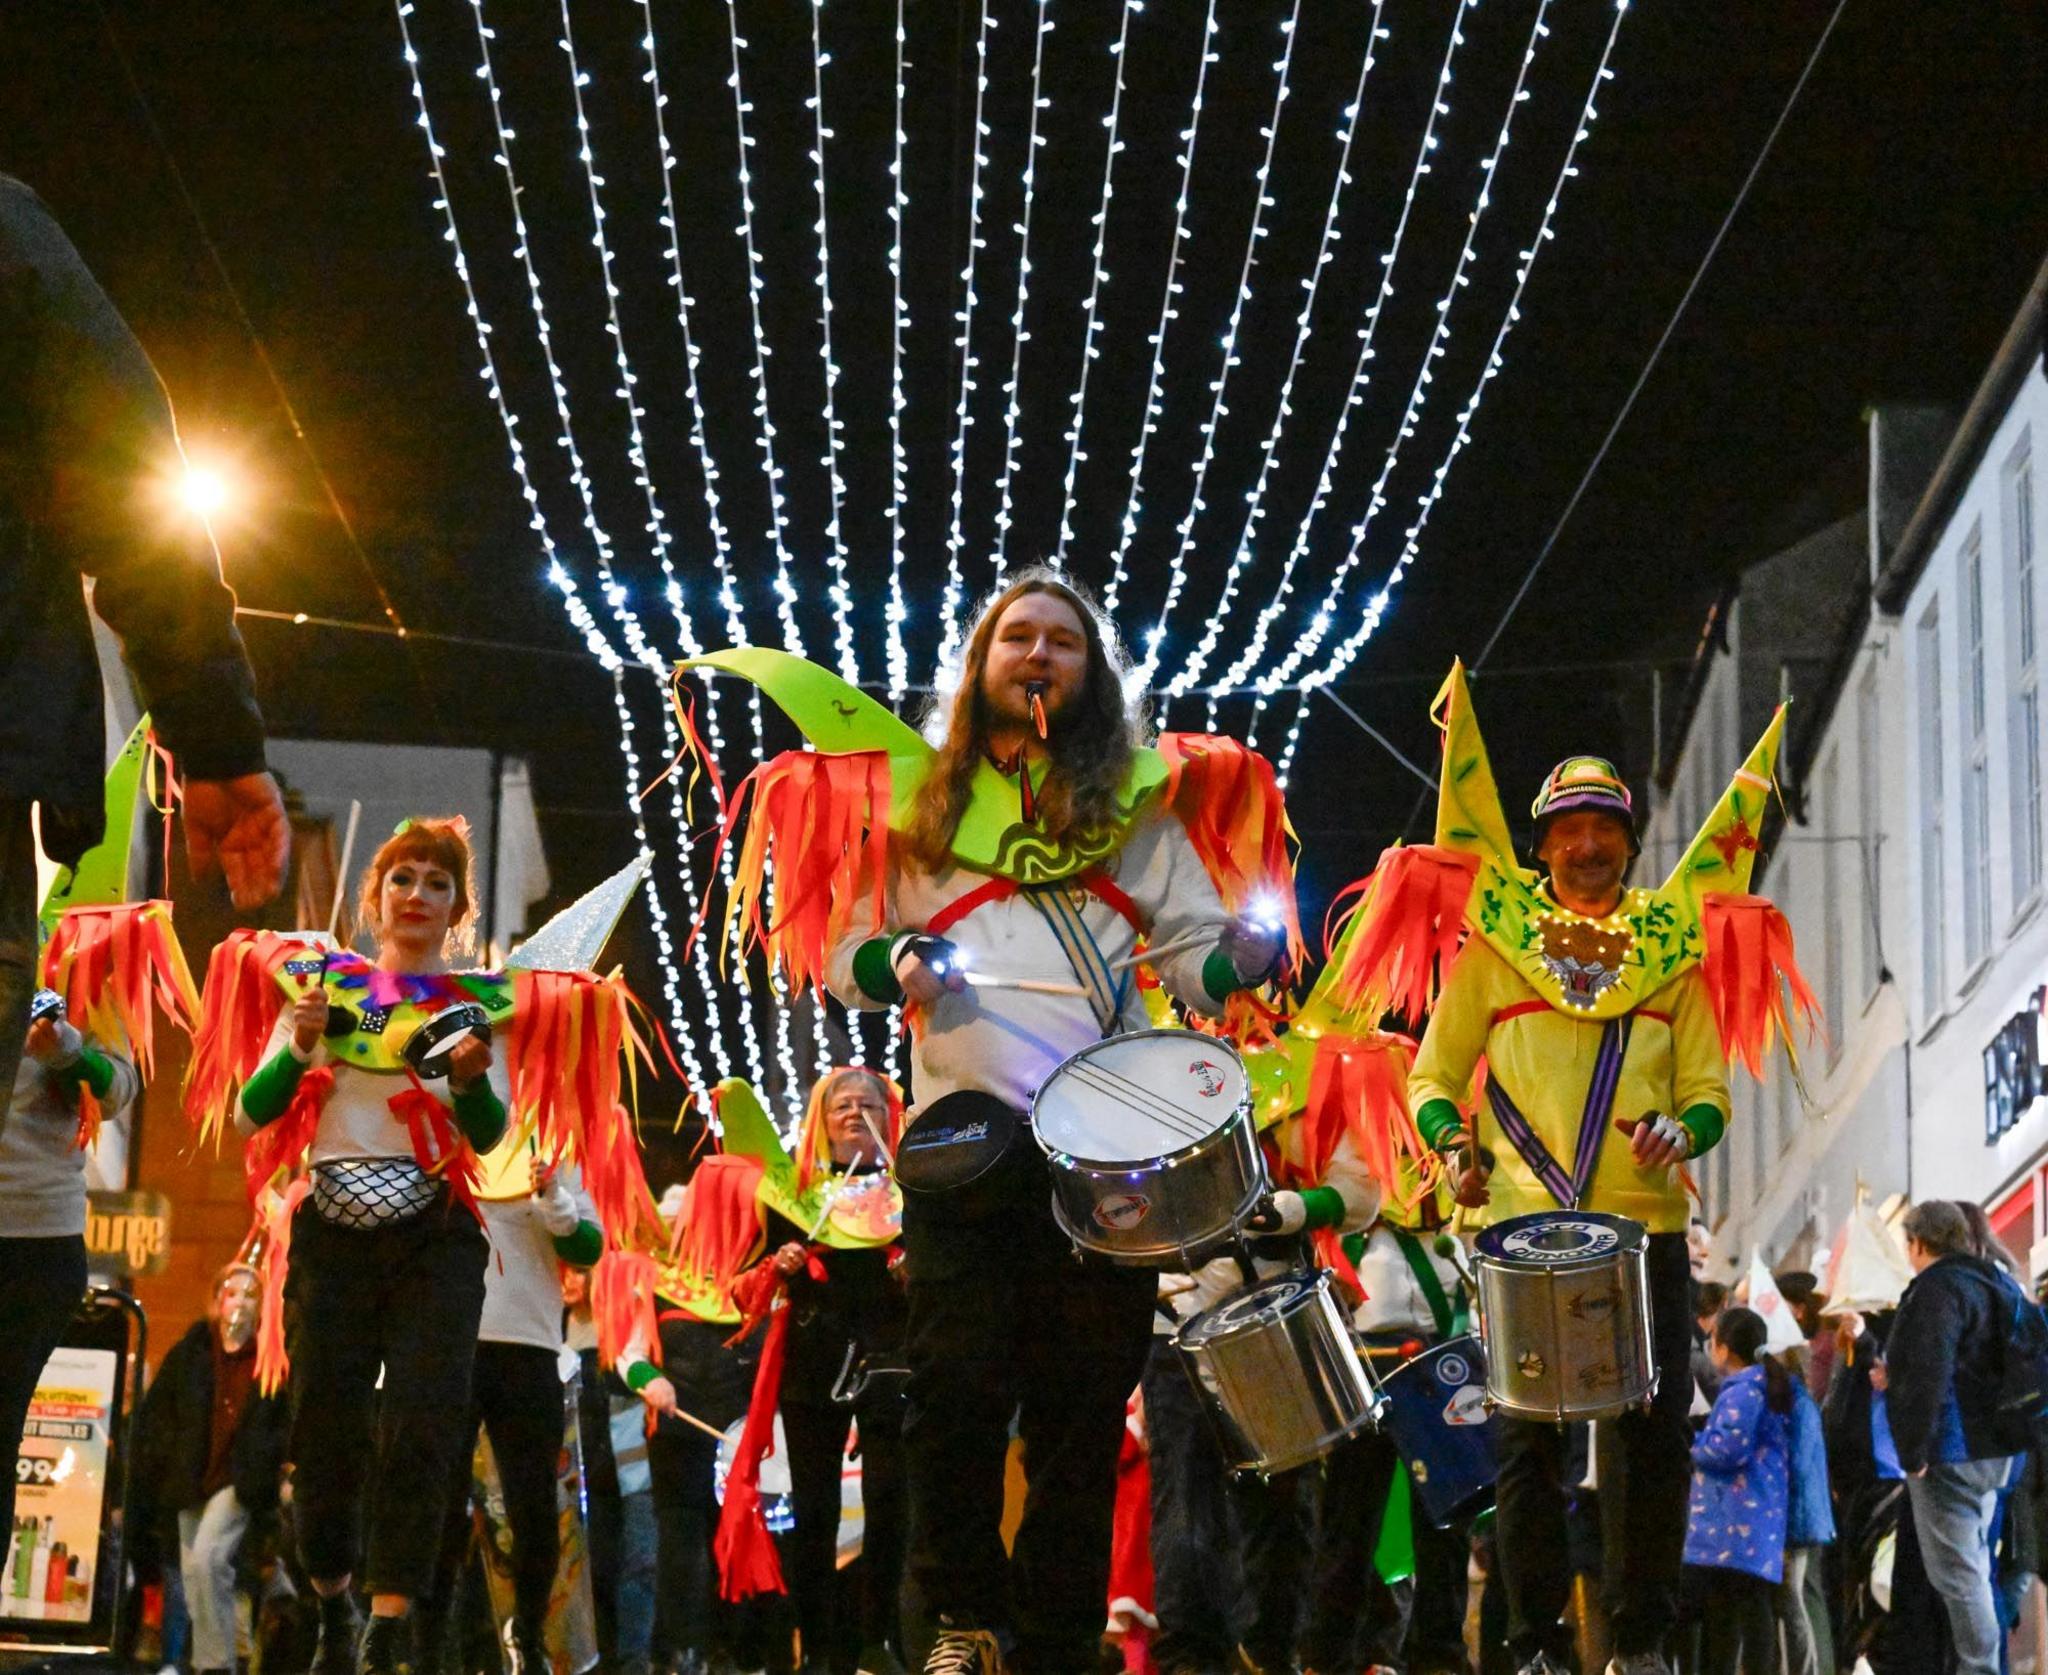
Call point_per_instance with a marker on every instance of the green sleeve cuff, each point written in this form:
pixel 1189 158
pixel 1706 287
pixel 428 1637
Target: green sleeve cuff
pixel 480 1114
pixel 1219 976
pixel 873 972
pixel 266 1094
pixel 92 1067
pixel 641 1374
pixel 1325 1207
pixel 583 1247
pixel 1438 1122
pixel 1705 1124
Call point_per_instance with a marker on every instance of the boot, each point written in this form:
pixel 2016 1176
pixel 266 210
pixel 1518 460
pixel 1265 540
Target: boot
pixel 341 1627
pixel 433 1648
pixel 388 1647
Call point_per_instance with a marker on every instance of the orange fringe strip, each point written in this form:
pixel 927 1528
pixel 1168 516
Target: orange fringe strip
pixel 717 1229
pixel 280 1144
pixel 572 1044
pixel 622 1288
pixel 241 1007
pixel 824 821
pixel 116 967
pixel 1229 800
pixel 747 1560
pixel 1359 1085
pixel 1749 965
pixel 1412 920
pixel 272 1364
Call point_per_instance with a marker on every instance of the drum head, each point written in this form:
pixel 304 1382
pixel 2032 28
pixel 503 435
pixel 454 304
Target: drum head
pixel 1140 1096
pixel 1263 1303
pixel 1554 1238
pixel 426 1047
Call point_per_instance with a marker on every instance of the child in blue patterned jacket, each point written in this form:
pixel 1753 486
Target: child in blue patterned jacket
pixel 1735 1525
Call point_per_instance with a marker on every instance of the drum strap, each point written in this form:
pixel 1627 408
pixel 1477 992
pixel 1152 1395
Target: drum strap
pixel 1106 992
pixel 1424 1271
pixel 1600 1092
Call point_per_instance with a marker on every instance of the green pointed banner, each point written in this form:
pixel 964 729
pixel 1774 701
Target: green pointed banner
pixel 101 877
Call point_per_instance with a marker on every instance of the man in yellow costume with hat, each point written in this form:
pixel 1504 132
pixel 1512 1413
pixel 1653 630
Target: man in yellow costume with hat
pixel 1605 1016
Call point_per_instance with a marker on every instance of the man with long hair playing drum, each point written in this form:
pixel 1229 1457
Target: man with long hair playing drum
pixel 1556 1082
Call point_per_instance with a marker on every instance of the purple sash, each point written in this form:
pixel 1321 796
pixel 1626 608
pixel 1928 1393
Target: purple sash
pixel 1569 1189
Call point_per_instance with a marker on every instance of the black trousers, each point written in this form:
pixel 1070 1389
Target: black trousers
pixel 41 1284
pixel 406 1298
pixel 1645 1472
pixel 1354 1617
pixel 1230 1556
pixel 816 1435
pixel 1739 1628
pixel 516 1395
pixel 1020 1329
pixel 712 1382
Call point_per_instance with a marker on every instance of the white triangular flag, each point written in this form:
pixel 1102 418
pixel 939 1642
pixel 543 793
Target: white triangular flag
pixel 1768 1301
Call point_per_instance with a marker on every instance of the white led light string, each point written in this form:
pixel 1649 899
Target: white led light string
pixel 778 515
pixel 1189 675
pixel 657 522
pixel 1096 280
pixel 1361 377
pixel 835 443
pixel 898 612
pixel 1349 649
pixel 1177 574
pixel 1310 642
pixel 1168 311
pixel 558 572
pixel 963 417
pixel 1013 412
pixel 721 540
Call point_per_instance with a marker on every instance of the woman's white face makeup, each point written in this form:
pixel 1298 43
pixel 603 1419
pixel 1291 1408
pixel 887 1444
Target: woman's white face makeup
pixel 417 905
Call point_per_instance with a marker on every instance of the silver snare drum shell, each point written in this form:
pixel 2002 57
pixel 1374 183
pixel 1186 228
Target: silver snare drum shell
pixel 1153 1145
pixel 1564 1308
pixel 1277 1366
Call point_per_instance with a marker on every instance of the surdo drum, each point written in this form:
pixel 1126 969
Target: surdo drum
pixel 1280 1372
pixel 1564 1305
pixel 1154 1151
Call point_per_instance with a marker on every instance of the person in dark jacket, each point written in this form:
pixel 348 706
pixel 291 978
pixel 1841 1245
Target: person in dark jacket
pixel 213 1450
pixel 1943 1362
pixel 85 427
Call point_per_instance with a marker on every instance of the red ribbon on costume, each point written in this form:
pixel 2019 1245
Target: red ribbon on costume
pixel 438 1146
pixel 747 1561
pixel 280 1144
pixel 272 1364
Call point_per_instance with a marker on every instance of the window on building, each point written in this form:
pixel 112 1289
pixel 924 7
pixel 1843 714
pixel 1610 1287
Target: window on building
pixel 1837 868
pixel 2025 683
pixel 1933 818
pixel 1868 853
pixel 1976 762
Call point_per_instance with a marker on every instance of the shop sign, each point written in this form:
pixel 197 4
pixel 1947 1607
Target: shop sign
pixel 128 1233
pixel 2015 1068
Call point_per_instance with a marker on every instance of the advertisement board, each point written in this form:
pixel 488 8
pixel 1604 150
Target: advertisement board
pixel 53 1550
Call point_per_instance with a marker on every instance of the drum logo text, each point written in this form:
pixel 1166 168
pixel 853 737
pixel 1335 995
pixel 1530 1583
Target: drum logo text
pixel 1208 1077
pixel 1122 1211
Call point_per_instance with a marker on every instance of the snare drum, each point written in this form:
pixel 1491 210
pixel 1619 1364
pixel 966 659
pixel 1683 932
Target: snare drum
pixel 1278 1368
pixel 1437 1415
pixel 1155 1155
pixel 1564 1304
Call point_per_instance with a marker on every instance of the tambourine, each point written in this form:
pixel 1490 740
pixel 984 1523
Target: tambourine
pixel 428 1045
pixel 46 1003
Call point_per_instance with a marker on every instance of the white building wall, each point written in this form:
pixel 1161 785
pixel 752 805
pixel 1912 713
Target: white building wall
pixel 1965 995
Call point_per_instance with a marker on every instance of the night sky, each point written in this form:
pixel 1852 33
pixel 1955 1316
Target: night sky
pixel 1889 238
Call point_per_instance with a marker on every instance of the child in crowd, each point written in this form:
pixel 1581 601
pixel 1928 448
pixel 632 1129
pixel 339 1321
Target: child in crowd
pixel 1735 1527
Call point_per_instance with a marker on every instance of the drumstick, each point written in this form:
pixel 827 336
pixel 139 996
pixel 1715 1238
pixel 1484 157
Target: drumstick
pixel 1180 945
pixel 704 1425
pixel 348 848
pixel 881 1145
pixel 1027 985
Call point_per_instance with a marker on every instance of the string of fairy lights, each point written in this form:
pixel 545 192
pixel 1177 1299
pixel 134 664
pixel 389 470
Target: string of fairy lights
pixel 751 562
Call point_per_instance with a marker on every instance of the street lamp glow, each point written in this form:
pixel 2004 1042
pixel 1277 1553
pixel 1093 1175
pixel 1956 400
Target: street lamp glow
pixel 203 491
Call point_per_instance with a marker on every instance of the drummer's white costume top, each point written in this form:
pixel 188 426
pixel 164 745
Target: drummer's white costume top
pixel 1006 1042
pixel 531 1237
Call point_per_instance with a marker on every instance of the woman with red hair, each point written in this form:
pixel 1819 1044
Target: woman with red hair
pixel 387 1268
